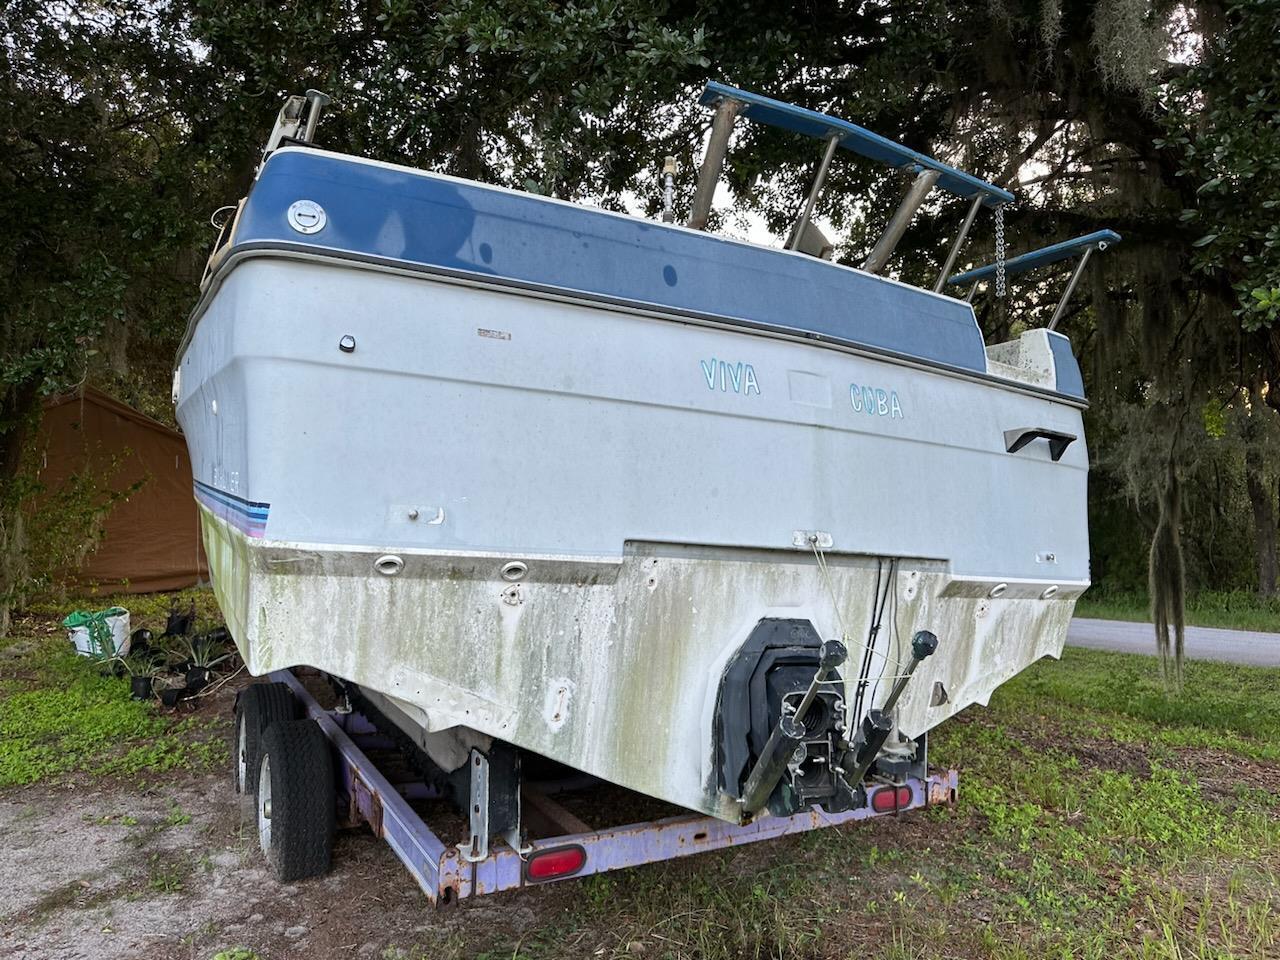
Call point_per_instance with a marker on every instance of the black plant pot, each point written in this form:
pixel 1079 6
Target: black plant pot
pixel 140 640
pixel 179 624
pixel 171 696
pixel 198 678
pixel 140 688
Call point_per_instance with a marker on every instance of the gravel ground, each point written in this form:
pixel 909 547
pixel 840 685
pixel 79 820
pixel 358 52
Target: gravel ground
pixel 106 872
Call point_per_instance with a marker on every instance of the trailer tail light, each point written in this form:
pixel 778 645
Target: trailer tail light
pixel 888 799
pixel 554 864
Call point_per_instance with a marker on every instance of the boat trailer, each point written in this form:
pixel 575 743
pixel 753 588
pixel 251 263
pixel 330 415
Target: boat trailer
pixel 446 874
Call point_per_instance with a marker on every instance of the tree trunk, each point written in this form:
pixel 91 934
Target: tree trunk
pixel 115 343
pixel 1262 500
pixel 1264 527
pixel 19 413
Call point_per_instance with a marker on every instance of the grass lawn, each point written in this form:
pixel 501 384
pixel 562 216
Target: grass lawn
pixel 1233 610
pixel 1098 818
pixel 62 715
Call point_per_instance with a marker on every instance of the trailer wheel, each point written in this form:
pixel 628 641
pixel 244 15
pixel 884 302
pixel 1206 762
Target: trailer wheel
pixel 296 799
pixel 257 707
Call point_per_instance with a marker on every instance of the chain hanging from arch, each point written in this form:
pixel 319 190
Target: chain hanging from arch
pixel 1000 252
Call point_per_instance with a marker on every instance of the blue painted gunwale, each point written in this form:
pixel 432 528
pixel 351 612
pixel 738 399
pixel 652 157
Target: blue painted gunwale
pixel 403 217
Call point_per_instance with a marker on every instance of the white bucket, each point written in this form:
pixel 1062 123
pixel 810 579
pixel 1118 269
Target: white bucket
pixel 117 621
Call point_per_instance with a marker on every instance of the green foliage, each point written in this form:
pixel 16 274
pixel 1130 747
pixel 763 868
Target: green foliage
pixel 1075 845
pixel 1224 123
pixel 64 717
pixel 145 609
pixel 1228 609
pixel 1218 524
pixel 166 874
pixel 177 817
pixel 203 652
pixel 1215 420
pixel 66 524
pixel 124 125
pixel 141 664
pixel 1097 817
pixel 1265 307
pixel 103 201
pixel 89 195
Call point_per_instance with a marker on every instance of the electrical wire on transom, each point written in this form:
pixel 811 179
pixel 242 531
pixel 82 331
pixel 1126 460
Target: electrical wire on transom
pixel 835 604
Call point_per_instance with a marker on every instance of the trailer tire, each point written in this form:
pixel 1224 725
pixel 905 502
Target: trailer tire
pixel 257 707
pixel 296 800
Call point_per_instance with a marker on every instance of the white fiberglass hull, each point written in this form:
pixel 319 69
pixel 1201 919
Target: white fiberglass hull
pixel 649 478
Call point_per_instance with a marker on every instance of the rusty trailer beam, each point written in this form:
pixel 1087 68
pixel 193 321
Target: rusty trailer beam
pixel 445 875
pixel 375 798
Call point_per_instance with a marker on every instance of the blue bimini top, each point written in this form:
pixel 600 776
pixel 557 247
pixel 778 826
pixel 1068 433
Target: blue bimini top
pixel 398 216
pixel 787 116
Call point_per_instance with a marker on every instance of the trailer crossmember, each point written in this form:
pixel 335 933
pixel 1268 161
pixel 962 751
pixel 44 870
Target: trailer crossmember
pixel 445 875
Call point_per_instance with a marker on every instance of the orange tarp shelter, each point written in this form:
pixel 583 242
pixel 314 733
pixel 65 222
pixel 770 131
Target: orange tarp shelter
pixel 151 539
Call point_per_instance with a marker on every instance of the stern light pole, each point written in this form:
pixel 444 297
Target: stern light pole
pixel 317 100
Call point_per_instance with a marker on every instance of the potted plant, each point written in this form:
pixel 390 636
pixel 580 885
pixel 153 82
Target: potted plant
pixel 203 654
pixel 170 696
pixel 142 669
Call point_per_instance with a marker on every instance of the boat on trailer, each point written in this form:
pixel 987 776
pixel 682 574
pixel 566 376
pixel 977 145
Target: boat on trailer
pixel 533 483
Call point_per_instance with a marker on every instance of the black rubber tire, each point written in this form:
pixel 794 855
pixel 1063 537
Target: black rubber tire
pixel 257 707
pixel 298 766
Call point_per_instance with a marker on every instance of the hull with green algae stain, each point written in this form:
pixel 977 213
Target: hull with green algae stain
pixel 609 665
pixel 227 551
pixel 532 472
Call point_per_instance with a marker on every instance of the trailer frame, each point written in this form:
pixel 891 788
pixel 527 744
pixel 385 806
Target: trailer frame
pixel 367 796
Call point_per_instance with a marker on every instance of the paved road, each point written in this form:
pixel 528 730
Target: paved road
pixel 1202 643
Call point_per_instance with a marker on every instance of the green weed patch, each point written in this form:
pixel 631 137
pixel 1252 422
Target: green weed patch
pixel 62 716
pixel 1083 829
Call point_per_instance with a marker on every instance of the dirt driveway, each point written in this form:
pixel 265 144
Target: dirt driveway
pixel 106 872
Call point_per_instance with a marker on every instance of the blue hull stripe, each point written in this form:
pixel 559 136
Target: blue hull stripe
pixel 247 516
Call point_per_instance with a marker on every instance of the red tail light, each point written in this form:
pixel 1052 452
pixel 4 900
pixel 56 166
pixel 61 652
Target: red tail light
pixel 555 863
pixel 888 799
